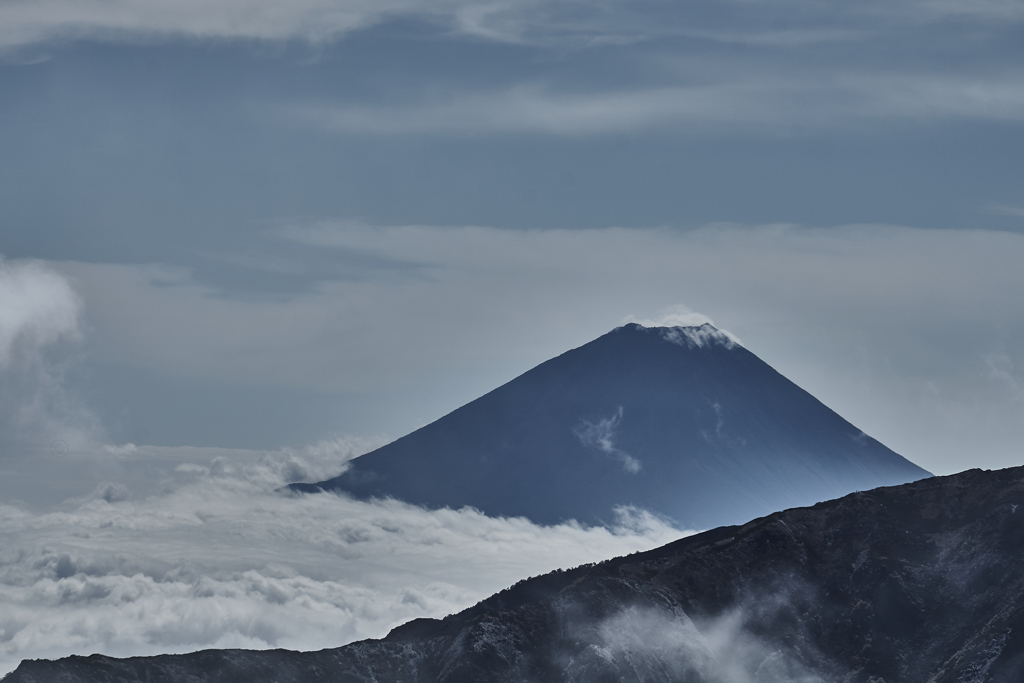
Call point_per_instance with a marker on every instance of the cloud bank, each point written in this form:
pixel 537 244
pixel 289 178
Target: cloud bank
pixel 215 558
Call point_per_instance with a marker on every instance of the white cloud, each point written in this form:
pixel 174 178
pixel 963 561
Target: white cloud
pixel 215 558
pixel 37 308
pixel 39 314
pixel 652 641
pixel 601 435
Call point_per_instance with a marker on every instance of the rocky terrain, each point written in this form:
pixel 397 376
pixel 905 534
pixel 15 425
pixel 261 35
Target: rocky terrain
pixel 916 583
pixel 681 421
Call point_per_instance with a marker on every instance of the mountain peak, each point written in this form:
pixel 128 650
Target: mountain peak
pixel 681 421
pixel 689 336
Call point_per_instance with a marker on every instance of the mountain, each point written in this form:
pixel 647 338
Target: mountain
pixel 682 421
pixel 916 583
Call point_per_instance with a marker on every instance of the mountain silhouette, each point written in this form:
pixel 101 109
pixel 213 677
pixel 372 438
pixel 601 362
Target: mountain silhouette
pixel 914 583
pixel 681 421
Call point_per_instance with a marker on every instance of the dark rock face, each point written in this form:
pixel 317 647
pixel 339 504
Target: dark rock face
pixel 679 421
pixel 921 582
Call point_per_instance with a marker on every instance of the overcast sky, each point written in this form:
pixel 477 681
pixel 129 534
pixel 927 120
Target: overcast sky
pixel 244 241
pixel 278 224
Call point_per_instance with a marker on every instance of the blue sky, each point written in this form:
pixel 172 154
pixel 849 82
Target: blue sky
pixel 281 224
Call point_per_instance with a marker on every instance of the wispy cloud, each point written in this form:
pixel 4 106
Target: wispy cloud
pixel 680 315
pixel 655 640
pixel 24 22
pixel 600 434
pixel 28 21
pixel 677 315
pixel 985 10
pixel 1003 210
pixel 816 102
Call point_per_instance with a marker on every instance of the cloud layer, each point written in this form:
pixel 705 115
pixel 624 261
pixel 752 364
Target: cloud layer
pixel 838 310
pixel 216 558
pixel 515 21
pixel 799 103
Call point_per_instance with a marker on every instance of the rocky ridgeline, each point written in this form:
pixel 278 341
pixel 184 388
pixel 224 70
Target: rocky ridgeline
pixel 920 582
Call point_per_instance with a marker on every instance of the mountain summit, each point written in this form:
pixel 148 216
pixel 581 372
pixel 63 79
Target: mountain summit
pixel 682 421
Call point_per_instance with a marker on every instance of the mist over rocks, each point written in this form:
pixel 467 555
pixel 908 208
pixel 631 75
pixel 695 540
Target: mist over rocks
pixel 682 421
pixel 919 582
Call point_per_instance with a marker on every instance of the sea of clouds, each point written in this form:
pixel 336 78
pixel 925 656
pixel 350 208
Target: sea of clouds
pixel 214 556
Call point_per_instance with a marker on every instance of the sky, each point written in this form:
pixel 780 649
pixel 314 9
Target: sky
pixel 256 237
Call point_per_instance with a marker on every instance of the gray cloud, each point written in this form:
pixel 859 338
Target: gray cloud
pixel 26 22
pixel 212 557
pixel 792 104
pixel 310 20
pixel 1000 210
pixel 985 10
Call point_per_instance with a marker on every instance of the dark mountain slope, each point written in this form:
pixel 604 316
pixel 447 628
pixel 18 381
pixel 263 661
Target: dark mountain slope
pixel 917 583
pixel 680 421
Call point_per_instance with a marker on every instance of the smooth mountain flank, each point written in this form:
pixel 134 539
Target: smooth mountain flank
pixel 681 421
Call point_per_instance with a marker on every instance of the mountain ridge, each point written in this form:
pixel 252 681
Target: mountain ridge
pixel 915 583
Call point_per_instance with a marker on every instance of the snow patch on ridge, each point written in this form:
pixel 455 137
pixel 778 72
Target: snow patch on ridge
pixel 699 337
pixel 686 327
pixel 977 671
